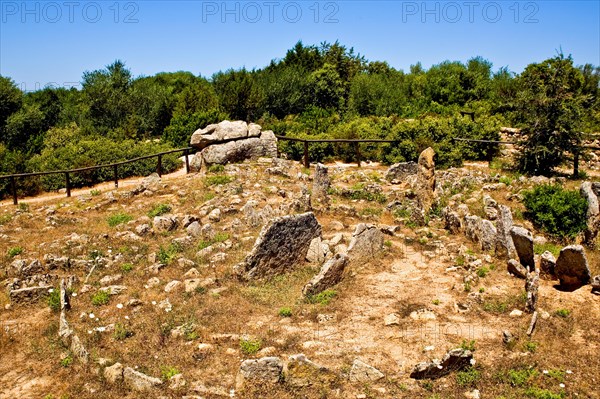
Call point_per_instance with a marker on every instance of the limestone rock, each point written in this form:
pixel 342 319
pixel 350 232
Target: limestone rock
pixel 596 284
pixel 330 274
pixel 241 150
pixel 572 267
pixel 426 179
pixel 398 172
pixel 531 288
pixel 523 241
pixel 487 235
pixel 505 247
pixel 301 372
pixel 587 192
pixel 317 251
pixel 280 246
pixel 223 132
pixel 164 223
pixel 516 269
pixel 321 183
pixel 363 373
pixel 140 381
pixel 367 241
pixel 28 294
pixel 454 360
pixel 547 265
pixel 451 220
pixel 267 369
pixel 114 373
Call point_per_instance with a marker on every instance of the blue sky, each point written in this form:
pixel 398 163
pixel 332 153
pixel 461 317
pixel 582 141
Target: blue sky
pixel 54 42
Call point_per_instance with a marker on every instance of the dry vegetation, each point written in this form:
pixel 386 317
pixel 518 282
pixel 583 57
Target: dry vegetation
pixel 420 268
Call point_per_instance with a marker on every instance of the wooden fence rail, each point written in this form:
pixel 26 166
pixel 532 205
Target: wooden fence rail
pixel 115 166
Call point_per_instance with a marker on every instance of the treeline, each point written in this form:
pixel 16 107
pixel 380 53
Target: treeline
pixel 313 91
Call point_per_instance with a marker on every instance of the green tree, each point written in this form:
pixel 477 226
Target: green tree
pixel 550 109
pixel 239 94
pixel 11 99
pixel 327 87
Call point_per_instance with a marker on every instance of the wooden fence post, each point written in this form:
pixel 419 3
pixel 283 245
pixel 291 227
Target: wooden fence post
pixel 159 165
pixel 13 188
pixel 116 175
pixel 68 184
pixel 187 161
pixel 306 163
pixel 576 163
pixel 357 152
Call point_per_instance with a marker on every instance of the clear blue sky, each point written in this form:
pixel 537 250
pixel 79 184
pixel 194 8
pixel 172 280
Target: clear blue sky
pixel 56 41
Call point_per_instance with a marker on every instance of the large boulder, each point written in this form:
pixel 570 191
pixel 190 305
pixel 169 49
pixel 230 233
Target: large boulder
pixel 572 267
pixel 222 132
pixel 587 192
pixel 321 183
pixel 505 248
pixel 523 241
pixel 398 172
pixel 367 241
pixel 330 274
pixel 281 245
pixel 426 179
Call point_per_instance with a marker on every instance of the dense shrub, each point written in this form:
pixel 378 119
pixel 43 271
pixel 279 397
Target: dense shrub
pixel 559 212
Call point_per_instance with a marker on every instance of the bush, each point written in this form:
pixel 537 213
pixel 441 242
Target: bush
pixel 559 212
pixel 217 180
pixel 323 297
pixel 285 312
pixel 100 298
pixel 167 372
pixel 250 346
pixel 14 251
pixel 53 300
pixel 159 209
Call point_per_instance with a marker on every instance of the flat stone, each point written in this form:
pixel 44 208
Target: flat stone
pixel 364 373
pixel 572 267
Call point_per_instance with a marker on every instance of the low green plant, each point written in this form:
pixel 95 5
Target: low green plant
pixel 483 271
pixel 208 196
pixel 551 247
pixel 220 237
pixel 468 377
pixel 468 345
pixel 558 375
pixel 126 267
pixel 159 209
pixel 539 393
pixel 564 313
pixel 520 377
pixel 168 371
pixel 5 219
pixel 323 297
pixel 250 346
pixel 467 286
pixel 14 251
pixel 95 193
pixel 67 361
pixel 95 254
pixel 460 260
pixel 556 210
pixel 100 298
pixel 401 213
pixel 370 211
pixel 217 180
pixel 216 168
pixel 285 312
pixel 387 243
pixel 506 180
pixel 167 255
pixel 23 207
pixel 121 332
pixel 118 218
pixel 53 300
pixel 436 302
pixel 530 346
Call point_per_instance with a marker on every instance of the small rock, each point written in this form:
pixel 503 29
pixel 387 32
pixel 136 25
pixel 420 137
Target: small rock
pixel 516 313
pixel 516 269
pixel 268 369
pixel 139 381
pixel 363 373
pixel 391 320
pixel 114 373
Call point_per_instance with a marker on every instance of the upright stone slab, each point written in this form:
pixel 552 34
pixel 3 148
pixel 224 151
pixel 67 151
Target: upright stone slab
pixel 366 243
pixel 487 235
pixel 587 192
pixel 572 267
pixel 547 266
pixel 330 274
pixel 505 247
pixel 321 183
pixel 281 245
pixel 523 241
pixel 426 179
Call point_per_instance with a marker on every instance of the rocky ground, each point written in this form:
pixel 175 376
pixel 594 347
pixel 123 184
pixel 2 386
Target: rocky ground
pixel 267 280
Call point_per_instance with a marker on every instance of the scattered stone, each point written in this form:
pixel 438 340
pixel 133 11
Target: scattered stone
pixel 317 251
pixel 516 269
pixel 194 229
pixel 547 265
pixel 587 192
pixel 422 314
pixel 171 286
pixel 523 241
pixel 366 243
pixel 363 373
pixel 454 360
pixel 78 349
pixel 28 294
pixel 330 274
pixel 114 374
pixel 301 372
pixel 143 229
pixel 215 215
pixel 572 267
pixel 139 381
pixel 488 235
pixel 281 245
pixel 515 313
pixel 177 382
pixel 164 223
pixel 113 289
pixel 391 320
pixel 596 284
pixel 507 337
pixel 398 172
pixel 451 220
pixel 321 183
pixel 267 369
pixel 531 287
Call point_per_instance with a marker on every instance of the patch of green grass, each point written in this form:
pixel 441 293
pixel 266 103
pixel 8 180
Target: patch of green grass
pixel 506 180
pixel 100 298
pixel 53 300
pixel 401 213
pixel 221 237
pixel 467 286
pixel 285 312
pixel 121 332
pixel 460 260
pixel 167 255
pixel 23 207
pixel 564 313
pixel 168 371
pixel 95 193
pixel 539 393
pixel 481 290
pixel 14 251
pixel 483 271
pixel 250 346
pixel 436 302
pixel 159 209
pixel 5 218
pixel 208 196
pixel 558 375
pixel 217 180
pixel 95 254
pixel 530 346
pixel 118 218
pixel 468 378
pixel 67 361
pixel 126 267
pixel 541 248
pixel 387 243
pixel 216 168
pixel 468 345
pixel 520 377
pixel 323 297
pixel 202 244
pixel 370 211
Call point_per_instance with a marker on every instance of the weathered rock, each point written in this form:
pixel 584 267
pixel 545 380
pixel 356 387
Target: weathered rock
pixel 321 183
pixel 56 262
pixel 472 225
pixel 487 235
pixel 523 241
pixel 426 179
pixel 142 229
pixel 532 285
pixel 490 207
pixel 114 374
pixel 451 220
pixel 266 369
pixel 223 132
pixel 330 274
pixel 240 150
pixel 596 284
pixel 28 294
pixel 113 289
pixel 362 372
pixel 367 241
pixel 572 267
pixel 301 372
pixel 280 246
pixel 215 215
pixel 547 265
pixel 194 229
pixel 398 172
pixel 516 269
pixel 317 251
pixel 454 360
pixel 587 192
pixel 139 381
pixel 505 248
pixel 164 223
pixel 64 330
pixel 78 349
